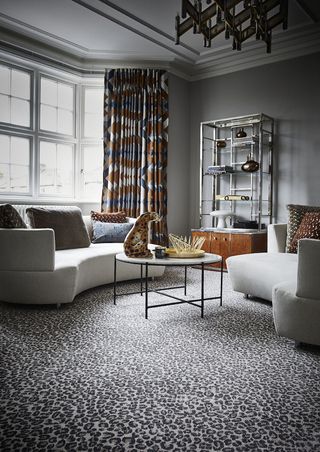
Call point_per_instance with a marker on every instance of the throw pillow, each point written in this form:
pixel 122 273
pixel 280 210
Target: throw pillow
pixel 309 229
pixel 110 232
pixel 295 216
pixel 68 225
pixel 115 217
pixel 10 218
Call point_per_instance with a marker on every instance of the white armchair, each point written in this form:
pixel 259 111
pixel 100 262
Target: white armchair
pixel 290 281
pixel 296 307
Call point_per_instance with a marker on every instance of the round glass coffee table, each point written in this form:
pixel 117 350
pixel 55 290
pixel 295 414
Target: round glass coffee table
pixel 169 262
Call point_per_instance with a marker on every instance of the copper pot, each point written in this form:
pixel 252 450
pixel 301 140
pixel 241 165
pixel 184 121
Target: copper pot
pixel 250 166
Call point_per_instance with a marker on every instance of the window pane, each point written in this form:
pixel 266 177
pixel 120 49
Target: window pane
pixel 20 112
pixel 65 122
pixel 56 169
pixel 48 164
pixel 20 84
pixel 4 178
pixel 4 149
pixel 65 96
pixel 20 151
pixel 93 125
pixel 65 169
pixel 14 164
pixel 48 118
pixel 49 92
pixel 92 171
pixel 19 181
pixel 93 100
pixel 4 108
pixel 93 117
pixel 4 80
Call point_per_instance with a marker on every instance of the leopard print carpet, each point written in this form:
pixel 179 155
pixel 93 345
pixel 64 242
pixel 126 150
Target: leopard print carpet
pixel 92 376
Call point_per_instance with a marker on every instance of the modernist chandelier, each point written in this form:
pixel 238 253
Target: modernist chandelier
pixel 239 19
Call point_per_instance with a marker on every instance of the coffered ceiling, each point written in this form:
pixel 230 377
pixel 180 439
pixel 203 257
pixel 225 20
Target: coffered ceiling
pixel 93 34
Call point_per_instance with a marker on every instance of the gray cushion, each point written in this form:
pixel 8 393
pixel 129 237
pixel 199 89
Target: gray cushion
pixel 68 225
pixel 10 218
pixel 110 232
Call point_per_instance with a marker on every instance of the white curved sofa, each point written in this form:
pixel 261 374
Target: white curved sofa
pixel 32 271
pixel 290 281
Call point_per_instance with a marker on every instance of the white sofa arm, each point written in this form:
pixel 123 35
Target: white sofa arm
pixel 308 282
pixel 27 250
pixel 277 235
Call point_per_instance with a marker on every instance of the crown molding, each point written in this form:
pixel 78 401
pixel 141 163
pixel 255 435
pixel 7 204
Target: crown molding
pixel 19 46
pixel 295 43
pixel 61 54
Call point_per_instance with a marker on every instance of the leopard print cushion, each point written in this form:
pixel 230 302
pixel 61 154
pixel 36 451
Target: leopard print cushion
pixel 10 218
pixel 115 217
pixel 295 216
pixel 308 229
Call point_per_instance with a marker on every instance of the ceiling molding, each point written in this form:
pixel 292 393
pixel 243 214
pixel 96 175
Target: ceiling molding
pixel 151 34
pixel 292 44
pixel 29 49
pixel 28 42
pixel 146 24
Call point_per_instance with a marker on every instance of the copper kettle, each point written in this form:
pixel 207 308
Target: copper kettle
pixel 250 166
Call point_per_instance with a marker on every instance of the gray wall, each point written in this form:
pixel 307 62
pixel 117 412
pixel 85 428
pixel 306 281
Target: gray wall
pixel 178 156
pixel 288 91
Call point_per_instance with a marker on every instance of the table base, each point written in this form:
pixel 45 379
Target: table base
pixel 147 291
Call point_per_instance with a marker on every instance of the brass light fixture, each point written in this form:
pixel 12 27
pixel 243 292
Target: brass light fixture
pixel 239 19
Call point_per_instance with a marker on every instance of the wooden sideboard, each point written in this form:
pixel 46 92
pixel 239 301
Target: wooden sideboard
pixel 232 243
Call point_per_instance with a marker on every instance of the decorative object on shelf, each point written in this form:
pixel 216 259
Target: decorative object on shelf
pixel 219 169
pixel 221 143
pixel 222 216
pixel 237 18
pixel 250 166
pixel 241 133
pixel 185 246
pixel 232 198
pixel 136 242
pixel 245 224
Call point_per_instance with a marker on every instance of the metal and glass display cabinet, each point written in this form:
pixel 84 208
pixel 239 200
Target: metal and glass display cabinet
pixel 236 170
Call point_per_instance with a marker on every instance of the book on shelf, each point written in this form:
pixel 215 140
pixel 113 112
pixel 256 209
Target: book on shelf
pixel 219 169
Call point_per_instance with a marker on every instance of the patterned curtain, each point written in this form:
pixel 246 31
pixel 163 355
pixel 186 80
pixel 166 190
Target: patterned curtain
pixel 136 145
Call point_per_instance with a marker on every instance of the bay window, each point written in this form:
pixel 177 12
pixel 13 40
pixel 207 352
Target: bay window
pixel 51 129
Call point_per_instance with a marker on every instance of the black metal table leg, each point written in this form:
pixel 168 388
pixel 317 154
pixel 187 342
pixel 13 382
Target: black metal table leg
pixel 114 280
pixel 221 281
pixel 202 289
pixel 146 288
pixel 141 280
pixel 185 280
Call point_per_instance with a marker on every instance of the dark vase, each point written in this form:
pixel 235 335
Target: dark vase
pixel 221 143
pixel 241 133
pixel 250 166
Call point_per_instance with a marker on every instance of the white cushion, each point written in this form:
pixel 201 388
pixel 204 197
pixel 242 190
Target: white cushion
pixel 255 274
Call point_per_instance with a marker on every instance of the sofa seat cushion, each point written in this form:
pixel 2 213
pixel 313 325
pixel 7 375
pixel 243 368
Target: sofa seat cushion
pixel 96 265
pixel 256 274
